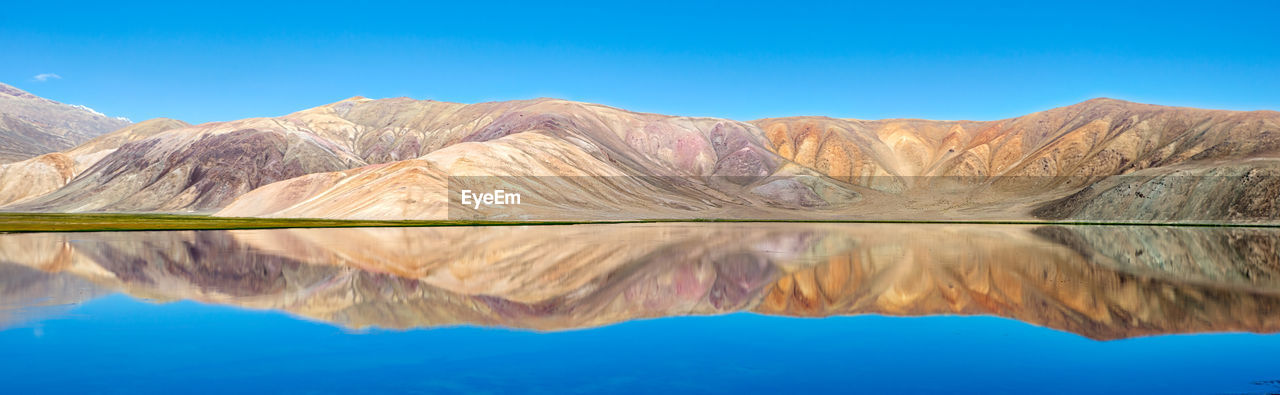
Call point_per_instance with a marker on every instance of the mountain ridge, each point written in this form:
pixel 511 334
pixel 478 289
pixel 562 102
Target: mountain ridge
pixel 31 125
pixel 679 167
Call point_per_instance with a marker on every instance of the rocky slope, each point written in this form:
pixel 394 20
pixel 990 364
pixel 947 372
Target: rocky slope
pixel 46 173
pixel 31 125
pixel 1021 163
pixel 568 158
pixel 1067 145
pixel 813 167
pixel 1240 191
pixel 204 168
pixel 200 168
pixel 407 159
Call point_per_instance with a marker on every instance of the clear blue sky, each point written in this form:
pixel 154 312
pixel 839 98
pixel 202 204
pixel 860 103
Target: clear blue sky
pixel 939 60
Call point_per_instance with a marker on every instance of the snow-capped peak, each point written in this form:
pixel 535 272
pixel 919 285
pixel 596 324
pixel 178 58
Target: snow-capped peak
pixel 86 108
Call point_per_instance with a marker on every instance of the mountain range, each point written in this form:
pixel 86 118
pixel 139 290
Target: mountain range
pixel 400 158
pixel 32 125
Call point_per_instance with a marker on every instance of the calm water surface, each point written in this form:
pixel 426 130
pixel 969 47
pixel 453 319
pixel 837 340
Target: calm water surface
pixel 644 308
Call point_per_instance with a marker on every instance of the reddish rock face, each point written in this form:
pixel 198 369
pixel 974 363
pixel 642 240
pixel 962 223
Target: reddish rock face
pixel 745 166
pixel 223 167
pixel 522 121
pixel 202 176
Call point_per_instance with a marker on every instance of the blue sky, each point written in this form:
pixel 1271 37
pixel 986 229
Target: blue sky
pixel 741 60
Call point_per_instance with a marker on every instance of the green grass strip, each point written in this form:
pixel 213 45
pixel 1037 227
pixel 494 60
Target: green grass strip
pixel 101 222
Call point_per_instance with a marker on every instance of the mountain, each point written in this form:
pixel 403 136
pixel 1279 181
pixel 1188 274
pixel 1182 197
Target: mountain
pixel 409 159
pixel 1096 138
pixel 46 173
pixel 555 152
pixel 1121 161
pixel 31 125
pixel 823 168
pixel 203 168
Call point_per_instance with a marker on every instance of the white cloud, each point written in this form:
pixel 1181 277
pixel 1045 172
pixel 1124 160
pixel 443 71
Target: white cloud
pixel 42 77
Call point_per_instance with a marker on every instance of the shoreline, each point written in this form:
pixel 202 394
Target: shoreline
pixel 124 222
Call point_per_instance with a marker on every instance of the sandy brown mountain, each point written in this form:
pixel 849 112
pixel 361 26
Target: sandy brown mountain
pixel 394 159
pixel 555 152
pixel 35 177
pixel 1229 155
pixel 31 125
pixel 205 167
pixel 1067 145
pixel 1020 168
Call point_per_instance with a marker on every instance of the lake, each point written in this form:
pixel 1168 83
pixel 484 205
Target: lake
pixel 642 308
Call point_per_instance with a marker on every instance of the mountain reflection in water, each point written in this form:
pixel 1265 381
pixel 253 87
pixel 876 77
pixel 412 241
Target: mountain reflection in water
pixel 1102 282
